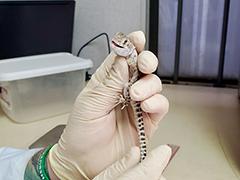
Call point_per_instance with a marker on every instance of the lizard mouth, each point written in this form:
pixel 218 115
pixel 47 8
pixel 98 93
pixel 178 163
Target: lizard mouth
pixel 115 44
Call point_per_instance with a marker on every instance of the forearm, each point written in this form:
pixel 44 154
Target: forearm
pixel 50 171
pixel 31 168
pixel 32 171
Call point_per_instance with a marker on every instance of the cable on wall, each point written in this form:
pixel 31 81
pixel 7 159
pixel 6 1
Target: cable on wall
pixel 94 38
pixel 88 76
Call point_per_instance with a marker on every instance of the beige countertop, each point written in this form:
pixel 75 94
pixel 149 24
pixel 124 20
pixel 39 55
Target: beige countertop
pixel 204 121
pixel 22 135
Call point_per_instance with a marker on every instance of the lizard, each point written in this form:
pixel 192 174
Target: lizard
pixel 122 46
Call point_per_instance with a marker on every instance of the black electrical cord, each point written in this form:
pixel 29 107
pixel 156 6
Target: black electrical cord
pixel 101 34
pixel 88 76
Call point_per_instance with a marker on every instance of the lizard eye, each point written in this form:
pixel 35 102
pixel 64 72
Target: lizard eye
pixel 125 42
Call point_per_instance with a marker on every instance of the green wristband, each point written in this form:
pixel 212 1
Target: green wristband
pixel 41 167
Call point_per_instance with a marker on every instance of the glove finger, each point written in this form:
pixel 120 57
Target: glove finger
pixel 147 62
pixel 155 108
pixel 152 167
pixel 103 72
pixel 138 39
pixel 121 166
pixel 155 104
pixel 101 94
pixel 145 87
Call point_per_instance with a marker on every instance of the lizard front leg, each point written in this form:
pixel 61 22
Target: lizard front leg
pixel 124 98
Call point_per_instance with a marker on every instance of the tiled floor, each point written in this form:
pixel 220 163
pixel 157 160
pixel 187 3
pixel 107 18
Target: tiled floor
pixel 204 121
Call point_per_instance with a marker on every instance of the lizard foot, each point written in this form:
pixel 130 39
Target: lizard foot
pixel 122 100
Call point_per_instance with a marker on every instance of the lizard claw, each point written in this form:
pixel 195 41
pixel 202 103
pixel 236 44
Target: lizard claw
pixel 123 106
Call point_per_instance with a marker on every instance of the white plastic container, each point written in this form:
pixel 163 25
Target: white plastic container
pixel 41 86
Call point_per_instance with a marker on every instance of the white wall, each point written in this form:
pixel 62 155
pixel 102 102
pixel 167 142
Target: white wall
pixel 110 16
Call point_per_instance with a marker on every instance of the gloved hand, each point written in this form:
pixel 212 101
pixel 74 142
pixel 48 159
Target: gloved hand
pixel 128 167
pixel 98 132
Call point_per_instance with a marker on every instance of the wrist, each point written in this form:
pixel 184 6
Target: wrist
pixel 37 167
pixel 31 168
pixel 51 173
pixel 61 166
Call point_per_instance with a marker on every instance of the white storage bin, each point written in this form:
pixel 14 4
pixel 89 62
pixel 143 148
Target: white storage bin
pixel 37 87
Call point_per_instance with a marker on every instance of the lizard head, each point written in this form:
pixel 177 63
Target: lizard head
pixel 121 45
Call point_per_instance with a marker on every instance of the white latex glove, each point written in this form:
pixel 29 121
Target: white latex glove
pixel 129 168
pixel 98 132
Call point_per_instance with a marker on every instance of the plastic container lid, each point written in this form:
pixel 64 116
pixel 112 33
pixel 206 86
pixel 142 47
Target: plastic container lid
pixel 41 65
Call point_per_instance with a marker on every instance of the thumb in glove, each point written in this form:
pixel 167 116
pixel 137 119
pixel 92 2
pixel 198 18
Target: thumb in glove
pixel 128 167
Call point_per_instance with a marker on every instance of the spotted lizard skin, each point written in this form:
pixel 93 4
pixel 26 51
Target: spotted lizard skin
pixel 122 46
